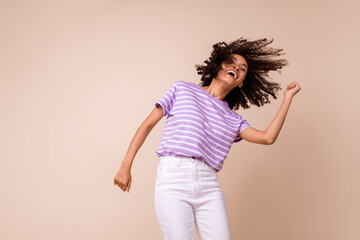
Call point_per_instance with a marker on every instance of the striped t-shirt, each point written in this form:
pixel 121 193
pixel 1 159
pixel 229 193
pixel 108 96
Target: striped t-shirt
pixel 198 124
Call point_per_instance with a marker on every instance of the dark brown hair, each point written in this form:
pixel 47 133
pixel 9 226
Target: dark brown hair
pixel 260 58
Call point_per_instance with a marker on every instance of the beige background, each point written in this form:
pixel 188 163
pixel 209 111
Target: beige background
pixel 79 77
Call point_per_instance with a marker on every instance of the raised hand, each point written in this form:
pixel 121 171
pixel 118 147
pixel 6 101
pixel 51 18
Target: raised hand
pixel 292 89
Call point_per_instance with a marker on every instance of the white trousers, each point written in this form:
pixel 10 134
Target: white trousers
pixel 188 194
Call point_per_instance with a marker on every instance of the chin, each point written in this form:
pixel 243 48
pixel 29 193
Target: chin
pixel 228 81
pixel 225 79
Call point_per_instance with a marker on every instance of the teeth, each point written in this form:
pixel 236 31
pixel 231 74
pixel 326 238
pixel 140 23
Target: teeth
pixel 235 75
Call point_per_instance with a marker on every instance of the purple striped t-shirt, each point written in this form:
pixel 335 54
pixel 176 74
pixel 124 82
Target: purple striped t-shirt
pixel 198 124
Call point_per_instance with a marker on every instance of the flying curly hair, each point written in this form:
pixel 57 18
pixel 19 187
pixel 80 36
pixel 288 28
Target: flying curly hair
pixel 260 58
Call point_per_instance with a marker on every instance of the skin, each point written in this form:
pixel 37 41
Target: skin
pixel 220 86
pixel 223 83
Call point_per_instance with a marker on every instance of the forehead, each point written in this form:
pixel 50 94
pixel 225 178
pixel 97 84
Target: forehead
pixel 238 58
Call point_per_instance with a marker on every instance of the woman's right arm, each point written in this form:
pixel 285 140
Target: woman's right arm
pixel 123 175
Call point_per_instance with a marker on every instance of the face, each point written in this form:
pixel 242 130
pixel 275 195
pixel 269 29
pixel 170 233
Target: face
pixel 234 73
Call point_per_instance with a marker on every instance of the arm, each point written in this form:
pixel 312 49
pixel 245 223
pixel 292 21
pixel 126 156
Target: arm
pixel 270 135
pixel 123 176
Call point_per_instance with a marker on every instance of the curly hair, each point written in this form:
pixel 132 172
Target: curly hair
pixel 260 58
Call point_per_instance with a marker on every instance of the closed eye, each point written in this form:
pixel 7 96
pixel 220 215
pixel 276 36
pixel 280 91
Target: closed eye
pixel 233 61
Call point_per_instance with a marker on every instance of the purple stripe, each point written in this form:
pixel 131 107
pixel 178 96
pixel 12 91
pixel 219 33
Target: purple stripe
pixel 205 107
pixel 198 124
pixel 195 133
pixel 226 129
pixel 208 110
pixel 244 125
pixel 223 147
pixel 162 105
pixel 193 141
pixel 208 133
pixel 213 130
pixel 191 108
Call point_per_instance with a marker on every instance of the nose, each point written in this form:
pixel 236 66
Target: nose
pixel 236 68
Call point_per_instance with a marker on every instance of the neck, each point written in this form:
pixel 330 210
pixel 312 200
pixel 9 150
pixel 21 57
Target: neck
pixel 216 89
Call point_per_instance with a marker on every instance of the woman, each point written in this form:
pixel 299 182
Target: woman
pixel 200 128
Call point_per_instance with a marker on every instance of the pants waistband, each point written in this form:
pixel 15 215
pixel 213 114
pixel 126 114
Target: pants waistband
pixel 178 160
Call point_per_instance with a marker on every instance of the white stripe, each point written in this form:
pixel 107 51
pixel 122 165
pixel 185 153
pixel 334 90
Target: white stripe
pixel 199 134
pixel 176 146
pixel 189 121
pixel 195 90
pixel 215 118
pixel 207 110
pixel 230 133
pixel 243 128
pixel 199 143
pixel 226 144
pixel 168 102
pixel 210 160
pixel 208 106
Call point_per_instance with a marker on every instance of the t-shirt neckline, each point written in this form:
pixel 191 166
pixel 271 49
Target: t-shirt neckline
pixel 212 97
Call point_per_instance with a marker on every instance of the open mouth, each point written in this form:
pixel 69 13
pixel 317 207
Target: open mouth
pixel 232 73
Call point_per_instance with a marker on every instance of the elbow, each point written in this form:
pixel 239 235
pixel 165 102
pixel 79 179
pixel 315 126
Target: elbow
pixel 146 127
pixel 269 140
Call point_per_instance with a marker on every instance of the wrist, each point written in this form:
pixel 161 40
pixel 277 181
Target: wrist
pixel 125 165
pixel 288 97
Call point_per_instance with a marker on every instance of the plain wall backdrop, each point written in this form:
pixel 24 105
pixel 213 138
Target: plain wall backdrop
pixel 77 78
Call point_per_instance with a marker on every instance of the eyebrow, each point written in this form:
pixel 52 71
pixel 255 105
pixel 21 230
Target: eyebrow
pixel 237 60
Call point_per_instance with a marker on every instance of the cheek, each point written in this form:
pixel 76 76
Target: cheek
pixel 221 72
pixel 225 66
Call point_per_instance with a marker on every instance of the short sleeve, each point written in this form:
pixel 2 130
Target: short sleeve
pixel 167 100
pixel 243 124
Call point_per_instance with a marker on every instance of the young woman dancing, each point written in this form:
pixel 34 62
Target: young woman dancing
pixel 200 128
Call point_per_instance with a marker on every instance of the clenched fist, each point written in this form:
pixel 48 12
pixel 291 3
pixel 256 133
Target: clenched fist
pixel 123 178
pixel 292 89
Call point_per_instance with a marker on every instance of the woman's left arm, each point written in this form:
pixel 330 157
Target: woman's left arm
pixel 270 135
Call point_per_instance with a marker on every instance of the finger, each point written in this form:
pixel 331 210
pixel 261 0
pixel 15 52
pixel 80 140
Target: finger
pixel 123 187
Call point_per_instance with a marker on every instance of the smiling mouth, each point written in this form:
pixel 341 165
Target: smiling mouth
pixel 232 73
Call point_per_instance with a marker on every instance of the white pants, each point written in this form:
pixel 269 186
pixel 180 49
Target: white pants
pixel 188 194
